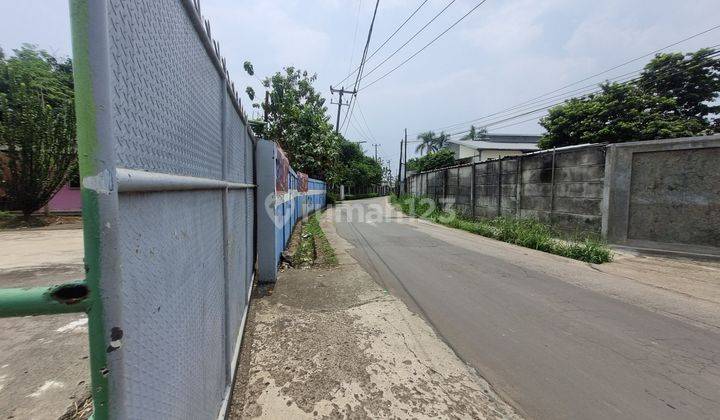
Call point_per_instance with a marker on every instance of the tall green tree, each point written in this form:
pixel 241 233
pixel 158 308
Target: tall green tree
pixel 693 80
pixel 37 127
pixel 440 141
pixel 471 135
pixel 426 142
pixel 298 121
pixel 355 169
pixel 672 98
pixel 431 142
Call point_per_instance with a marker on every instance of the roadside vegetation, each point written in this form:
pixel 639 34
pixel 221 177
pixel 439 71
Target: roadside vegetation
pixel 524 232
pixel 674 96
pixel 37 129
pixel 295 115
pixel 313 247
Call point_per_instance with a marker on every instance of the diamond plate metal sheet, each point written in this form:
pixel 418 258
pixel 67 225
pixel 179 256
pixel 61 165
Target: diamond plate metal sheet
pixel 236 137
pixel 166 92
pixel 171 363
pixel 185 259
pixel 237 261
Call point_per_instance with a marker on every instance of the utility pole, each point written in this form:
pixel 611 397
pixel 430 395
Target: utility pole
pixel 405 165
pixel 340 103
pixel 399 168
pixel 376 146
pixel 267 106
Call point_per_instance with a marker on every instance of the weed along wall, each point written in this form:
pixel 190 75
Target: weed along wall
pixel 284 197
pixel 664 191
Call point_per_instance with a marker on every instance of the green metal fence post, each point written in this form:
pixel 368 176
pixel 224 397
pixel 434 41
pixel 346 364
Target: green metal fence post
pixel 82 12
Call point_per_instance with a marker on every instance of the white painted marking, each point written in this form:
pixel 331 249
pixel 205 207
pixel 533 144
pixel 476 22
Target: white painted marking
pixel 71 326
pixel 47 386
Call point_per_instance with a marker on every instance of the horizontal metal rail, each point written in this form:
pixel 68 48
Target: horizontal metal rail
pixel 45 300
pixel 131 180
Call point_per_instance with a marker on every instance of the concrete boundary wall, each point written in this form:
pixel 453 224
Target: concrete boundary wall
pixel 664 191
pixel 562 187
pixel 636 193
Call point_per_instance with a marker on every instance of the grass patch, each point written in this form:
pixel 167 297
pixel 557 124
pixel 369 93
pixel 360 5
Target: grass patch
pixel 313 248
pixel 524 232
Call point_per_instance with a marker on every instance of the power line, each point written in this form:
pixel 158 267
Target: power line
pixel 590 77
pixel 362 62
pixel 372 135
pixel 633 60
pixel 423 48
pixel 411 38
pixel 352 49
pixel 547 106
pixel 386 41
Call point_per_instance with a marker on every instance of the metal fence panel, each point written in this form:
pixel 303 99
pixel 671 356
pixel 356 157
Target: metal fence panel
pixel 167 164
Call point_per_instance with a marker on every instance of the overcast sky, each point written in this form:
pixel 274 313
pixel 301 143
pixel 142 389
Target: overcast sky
pixel 504 53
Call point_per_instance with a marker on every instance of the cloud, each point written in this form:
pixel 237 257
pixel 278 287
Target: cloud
pixel 285 38
pixel 512 26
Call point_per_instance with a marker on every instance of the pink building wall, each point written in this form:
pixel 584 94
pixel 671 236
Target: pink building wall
pixel 68 199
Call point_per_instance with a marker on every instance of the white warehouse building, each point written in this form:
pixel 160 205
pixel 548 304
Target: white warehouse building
pixel 494 146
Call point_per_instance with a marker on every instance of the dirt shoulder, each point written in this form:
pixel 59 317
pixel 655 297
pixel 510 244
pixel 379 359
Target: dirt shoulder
pixel 331 343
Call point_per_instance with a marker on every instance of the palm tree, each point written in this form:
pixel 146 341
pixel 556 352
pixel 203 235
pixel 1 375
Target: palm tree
pixel 472 135
pixel 440 141
pixel 427 142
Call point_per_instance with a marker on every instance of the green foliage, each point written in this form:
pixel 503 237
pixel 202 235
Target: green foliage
pixel 298 121
pixel 693 80
pixel 433 160
pixel 355 169
pixel 313 247
pixel 475 134
pixel 249 68
pixel 250 93
pixel 431 142
pixel 37 126
pixel 670 99
pixel 523 232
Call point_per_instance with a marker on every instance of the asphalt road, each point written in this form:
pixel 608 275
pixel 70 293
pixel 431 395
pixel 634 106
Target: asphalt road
pixel 552 348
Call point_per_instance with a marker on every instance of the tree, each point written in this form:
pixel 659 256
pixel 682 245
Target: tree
pixel 471 135
pixel 37 127
pixel 357 170
pixel 440 141
pixel 433 160
pixel 620 113
pixel 670 99
pixel 475 134
pixel 431 142
pixel 426 142
pixel 693 80
pixel 298 121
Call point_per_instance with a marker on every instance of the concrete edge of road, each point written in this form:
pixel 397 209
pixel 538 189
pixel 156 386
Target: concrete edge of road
pixel 342 247
pixel 331 342
pixel 669 250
